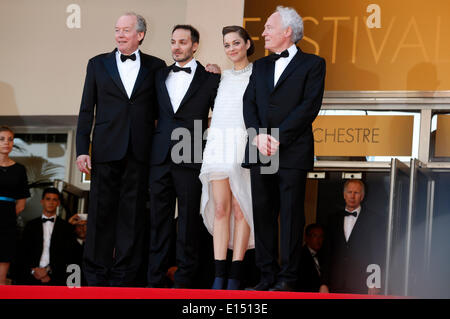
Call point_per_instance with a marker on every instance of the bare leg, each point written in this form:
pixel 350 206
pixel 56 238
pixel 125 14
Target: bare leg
pixel 222 211
pixel 240 243
pixel 241 232
pixel 4 267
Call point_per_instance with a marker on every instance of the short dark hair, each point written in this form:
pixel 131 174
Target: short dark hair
pixel 5 128
pixel 195 35
pixel 51 190
pixel 243 34
pixel 311 227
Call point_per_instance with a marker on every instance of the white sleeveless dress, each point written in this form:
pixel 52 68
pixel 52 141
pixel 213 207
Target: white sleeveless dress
pixel 224 151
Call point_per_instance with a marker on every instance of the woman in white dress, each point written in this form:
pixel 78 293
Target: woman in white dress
pixel 226 204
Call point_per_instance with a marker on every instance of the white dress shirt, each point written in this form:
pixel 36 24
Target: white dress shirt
pixel 178 83
pixel 282 63
pixel 47 230
pixel 349 222
pixel 128 71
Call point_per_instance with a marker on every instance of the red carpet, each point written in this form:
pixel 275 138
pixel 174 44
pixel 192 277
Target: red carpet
pixel 38 292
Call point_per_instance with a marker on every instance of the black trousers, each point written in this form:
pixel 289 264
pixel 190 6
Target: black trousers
pixel 114 241
pixel 169 182
pixel 281 194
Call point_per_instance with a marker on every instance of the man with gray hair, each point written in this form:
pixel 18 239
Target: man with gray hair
pixel 284 96
pixel 119 103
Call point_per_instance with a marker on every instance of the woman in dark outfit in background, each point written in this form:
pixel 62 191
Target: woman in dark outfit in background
pixel 13 194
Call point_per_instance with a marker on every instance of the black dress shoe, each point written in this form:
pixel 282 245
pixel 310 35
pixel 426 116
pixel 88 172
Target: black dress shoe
pixel 262 286
pixel 282 286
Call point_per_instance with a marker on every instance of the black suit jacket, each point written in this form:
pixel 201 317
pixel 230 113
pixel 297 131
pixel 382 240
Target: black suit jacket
pixel 308 277
pixel 62 245
pixel 345 268
pixel 292 105
pixel 195 106
pixel 119 120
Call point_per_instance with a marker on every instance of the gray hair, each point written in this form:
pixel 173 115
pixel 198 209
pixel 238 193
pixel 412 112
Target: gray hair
pixel 141 25
pixel 290 18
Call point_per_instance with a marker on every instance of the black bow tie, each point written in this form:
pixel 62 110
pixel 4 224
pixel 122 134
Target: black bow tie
pixel 354 214
pixel 178 69
pixel 283 54
pixel 125 57
pixel 48 219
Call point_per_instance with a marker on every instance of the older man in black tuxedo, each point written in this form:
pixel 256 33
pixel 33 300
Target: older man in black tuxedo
pixel 282 100
pixel 355 240
pixel 119 91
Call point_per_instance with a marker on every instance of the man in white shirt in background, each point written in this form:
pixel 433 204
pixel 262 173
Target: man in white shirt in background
pixel 47 244
pixel 354 240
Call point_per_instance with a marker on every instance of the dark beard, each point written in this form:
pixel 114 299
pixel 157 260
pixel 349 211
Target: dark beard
pixel 182 59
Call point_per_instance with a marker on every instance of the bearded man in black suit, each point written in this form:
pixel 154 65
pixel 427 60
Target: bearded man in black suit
pixel 283 97
pixel 118 100
pixel 186 93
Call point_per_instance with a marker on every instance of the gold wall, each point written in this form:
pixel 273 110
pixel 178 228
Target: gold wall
pixel 402 46
pixel 355 135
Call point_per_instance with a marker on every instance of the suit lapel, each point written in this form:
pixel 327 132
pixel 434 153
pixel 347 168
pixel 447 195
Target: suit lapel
pixel 195 84
pixel 143 72
pixel 357 225
pixel 39 239
pixel 270 71
pixel 163 88
pixel 313 262
pixel 341 220
pixel 54 239
pixel 113 71
pixel 295 62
